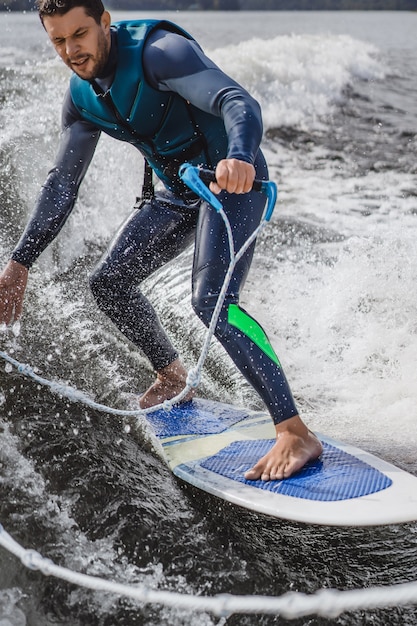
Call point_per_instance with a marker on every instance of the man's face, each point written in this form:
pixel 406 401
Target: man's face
pixel 81 43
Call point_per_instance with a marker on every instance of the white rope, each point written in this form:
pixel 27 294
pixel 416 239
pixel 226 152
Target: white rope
pixel 326 602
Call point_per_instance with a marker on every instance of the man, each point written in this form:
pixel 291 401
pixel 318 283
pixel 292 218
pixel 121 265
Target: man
pixel 149 83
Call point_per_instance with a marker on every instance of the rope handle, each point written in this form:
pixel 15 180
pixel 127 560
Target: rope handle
pixel 196 177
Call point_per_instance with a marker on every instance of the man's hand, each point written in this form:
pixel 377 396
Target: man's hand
pixel 234 176
pixel 13 281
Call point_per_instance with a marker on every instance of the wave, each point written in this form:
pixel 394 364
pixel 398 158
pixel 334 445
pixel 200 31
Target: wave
pixel 298 79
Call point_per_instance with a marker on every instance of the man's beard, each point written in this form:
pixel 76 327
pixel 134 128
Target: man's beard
pixel 99 60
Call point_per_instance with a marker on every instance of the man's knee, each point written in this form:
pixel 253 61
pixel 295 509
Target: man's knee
pixel 103 284
pixel 204 307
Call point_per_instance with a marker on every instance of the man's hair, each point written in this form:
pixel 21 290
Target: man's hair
pixel 93 8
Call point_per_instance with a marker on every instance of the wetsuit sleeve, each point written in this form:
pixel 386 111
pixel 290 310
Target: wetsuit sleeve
pixel 174 63
pixel 59 192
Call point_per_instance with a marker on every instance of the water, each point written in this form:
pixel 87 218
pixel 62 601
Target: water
pixel 333 282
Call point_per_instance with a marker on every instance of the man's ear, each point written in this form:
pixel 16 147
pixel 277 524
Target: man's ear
pixel 105 21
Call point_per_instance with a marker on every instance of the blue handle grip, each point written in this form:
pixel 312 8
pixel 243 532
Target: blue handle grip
pixel 191 177
pixel 196 177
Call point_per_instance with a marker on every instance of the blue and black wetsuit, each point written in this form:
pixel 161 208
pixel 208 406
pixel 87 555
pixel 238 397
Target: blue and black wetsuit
pixel 160 93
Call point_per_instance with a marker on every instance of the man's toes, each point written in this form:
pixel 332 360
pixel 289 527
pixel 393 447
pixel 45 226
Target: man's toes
pixel 264 474
pixel 277 473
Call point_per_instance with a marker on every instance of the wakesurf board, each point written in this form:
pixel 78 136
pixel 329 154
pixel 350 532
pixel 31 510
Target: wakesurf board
pixel 211 445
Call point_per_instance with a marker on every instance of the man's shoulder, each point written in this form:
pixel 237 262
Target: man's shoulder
pixel 144 27
pixel 135 29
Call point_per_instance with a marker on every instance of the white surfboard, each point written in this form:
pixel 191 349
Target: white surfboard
pixel 210 445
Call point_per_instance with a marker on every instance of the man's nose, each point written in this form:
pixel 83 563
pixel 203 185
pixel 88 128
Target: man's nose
pixel 71 46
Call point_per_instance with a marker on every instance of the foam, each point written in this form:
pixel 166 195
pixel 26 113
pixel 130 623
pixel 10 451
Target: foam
pixel 299 78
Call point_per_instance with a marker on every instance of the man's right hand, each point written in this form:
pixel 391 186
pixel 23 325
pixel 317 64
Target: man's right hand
pixel 13 281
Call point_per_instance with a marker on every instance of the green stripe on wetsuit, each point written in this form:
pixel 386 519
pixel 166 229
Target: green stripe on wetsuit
pixel 247 325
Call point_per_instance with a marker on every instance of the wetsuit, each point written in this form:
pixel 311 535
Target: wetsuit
pixel 166 224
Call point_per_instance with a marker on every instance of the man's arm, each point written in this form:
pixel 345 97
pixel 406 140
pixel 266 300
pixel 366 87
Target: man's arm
pixel 52 208
pixel 59 192
pixel 174 63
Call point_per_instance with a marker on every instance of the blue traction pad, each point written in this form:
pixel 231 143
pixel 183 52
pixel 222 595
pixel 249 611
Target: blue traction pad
pixel 197 417
pixel 336 475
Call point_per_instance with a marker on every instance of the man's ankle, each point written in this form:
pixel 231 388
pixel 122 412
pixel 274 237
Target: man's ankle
pixel 170 382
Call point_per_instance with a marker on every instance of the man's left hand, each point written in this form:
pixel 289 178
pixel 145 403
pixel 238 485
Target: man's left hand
pixel 234 176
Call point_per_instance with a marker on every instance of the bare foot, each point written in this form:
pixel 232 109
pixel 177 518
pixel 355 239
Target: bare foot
pixel 294 447
pixel 170 381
